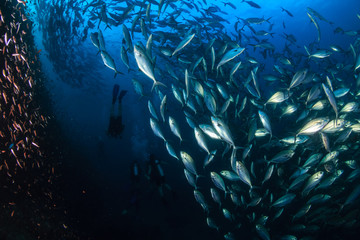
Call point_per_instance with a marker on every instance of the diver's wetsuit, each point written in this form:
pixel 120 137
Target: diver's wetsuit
pixel 116 127
pixel 156 175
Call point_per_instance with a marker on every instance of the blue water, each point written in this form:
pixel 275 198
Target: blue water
pixel 81 92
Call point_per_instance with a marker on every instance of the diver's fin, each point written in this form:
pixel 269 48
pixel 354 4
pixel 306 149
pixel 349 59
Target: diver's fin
pixel 115 93
pixel 122 94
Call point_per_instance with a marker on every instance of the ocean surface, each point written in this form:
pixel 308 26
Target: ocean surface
pixel 94 187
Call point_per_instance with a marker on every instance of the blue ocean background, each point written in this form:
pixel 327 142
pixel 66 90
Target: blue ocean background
pixel 97 184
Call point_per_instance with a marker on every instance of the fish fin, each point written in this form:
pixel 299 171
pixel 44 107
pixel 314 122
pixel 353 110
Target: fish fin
pixel 117 72
pixel 107 26
pixel 157 83
pixel 202 176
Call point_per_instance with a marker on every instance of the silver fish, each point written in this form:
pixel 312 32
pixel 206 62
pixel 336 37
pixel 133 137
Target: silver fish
pixel 124 57
pixel 156 128
pixel 145 65
pixel 223 130
pixel 190 178
pixel 101 41
pixel 210 102
pixel 263 233
pixel 243 173
pixel 127 38
pixel 230 175
pixel 199 197
pixel 312 182
pixel 188 162
pixel 284 200
pixel 109 62
pixel 265 121
pixel 229 56
pixel 278 97
pixel 163 108
pixel 313 126
pixel 218 181
pixel 200 138
pixel 298 78
pixel 210 131
pixel 331 98
pixel 268 173
pixel 138 87
pixel 316 25
pixel 283 156
pixel 183 43
pixel 152 110
pixel 171 150
pixel 174 127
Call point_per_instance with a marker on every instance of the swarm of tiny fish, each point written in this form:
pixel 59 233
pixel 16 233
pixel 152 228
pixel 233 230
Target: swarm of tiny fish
pixel 27 172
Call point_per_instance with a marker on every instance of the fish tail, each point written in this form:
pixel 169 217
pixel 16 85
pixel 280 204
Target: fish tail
pixel 157 83
pixel 117 72
pixel 107 26
pixel 336 119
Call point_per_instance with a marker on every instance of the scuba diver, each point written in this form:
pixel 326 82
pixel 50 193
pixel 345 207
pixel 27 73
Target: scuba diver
pixel 116 127
pixel 155 174
pixel 134 187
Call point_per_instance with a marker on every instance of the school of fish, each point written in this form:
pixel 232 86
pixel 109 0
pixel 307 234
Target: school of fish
pixel 276 145
pixel 27 170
